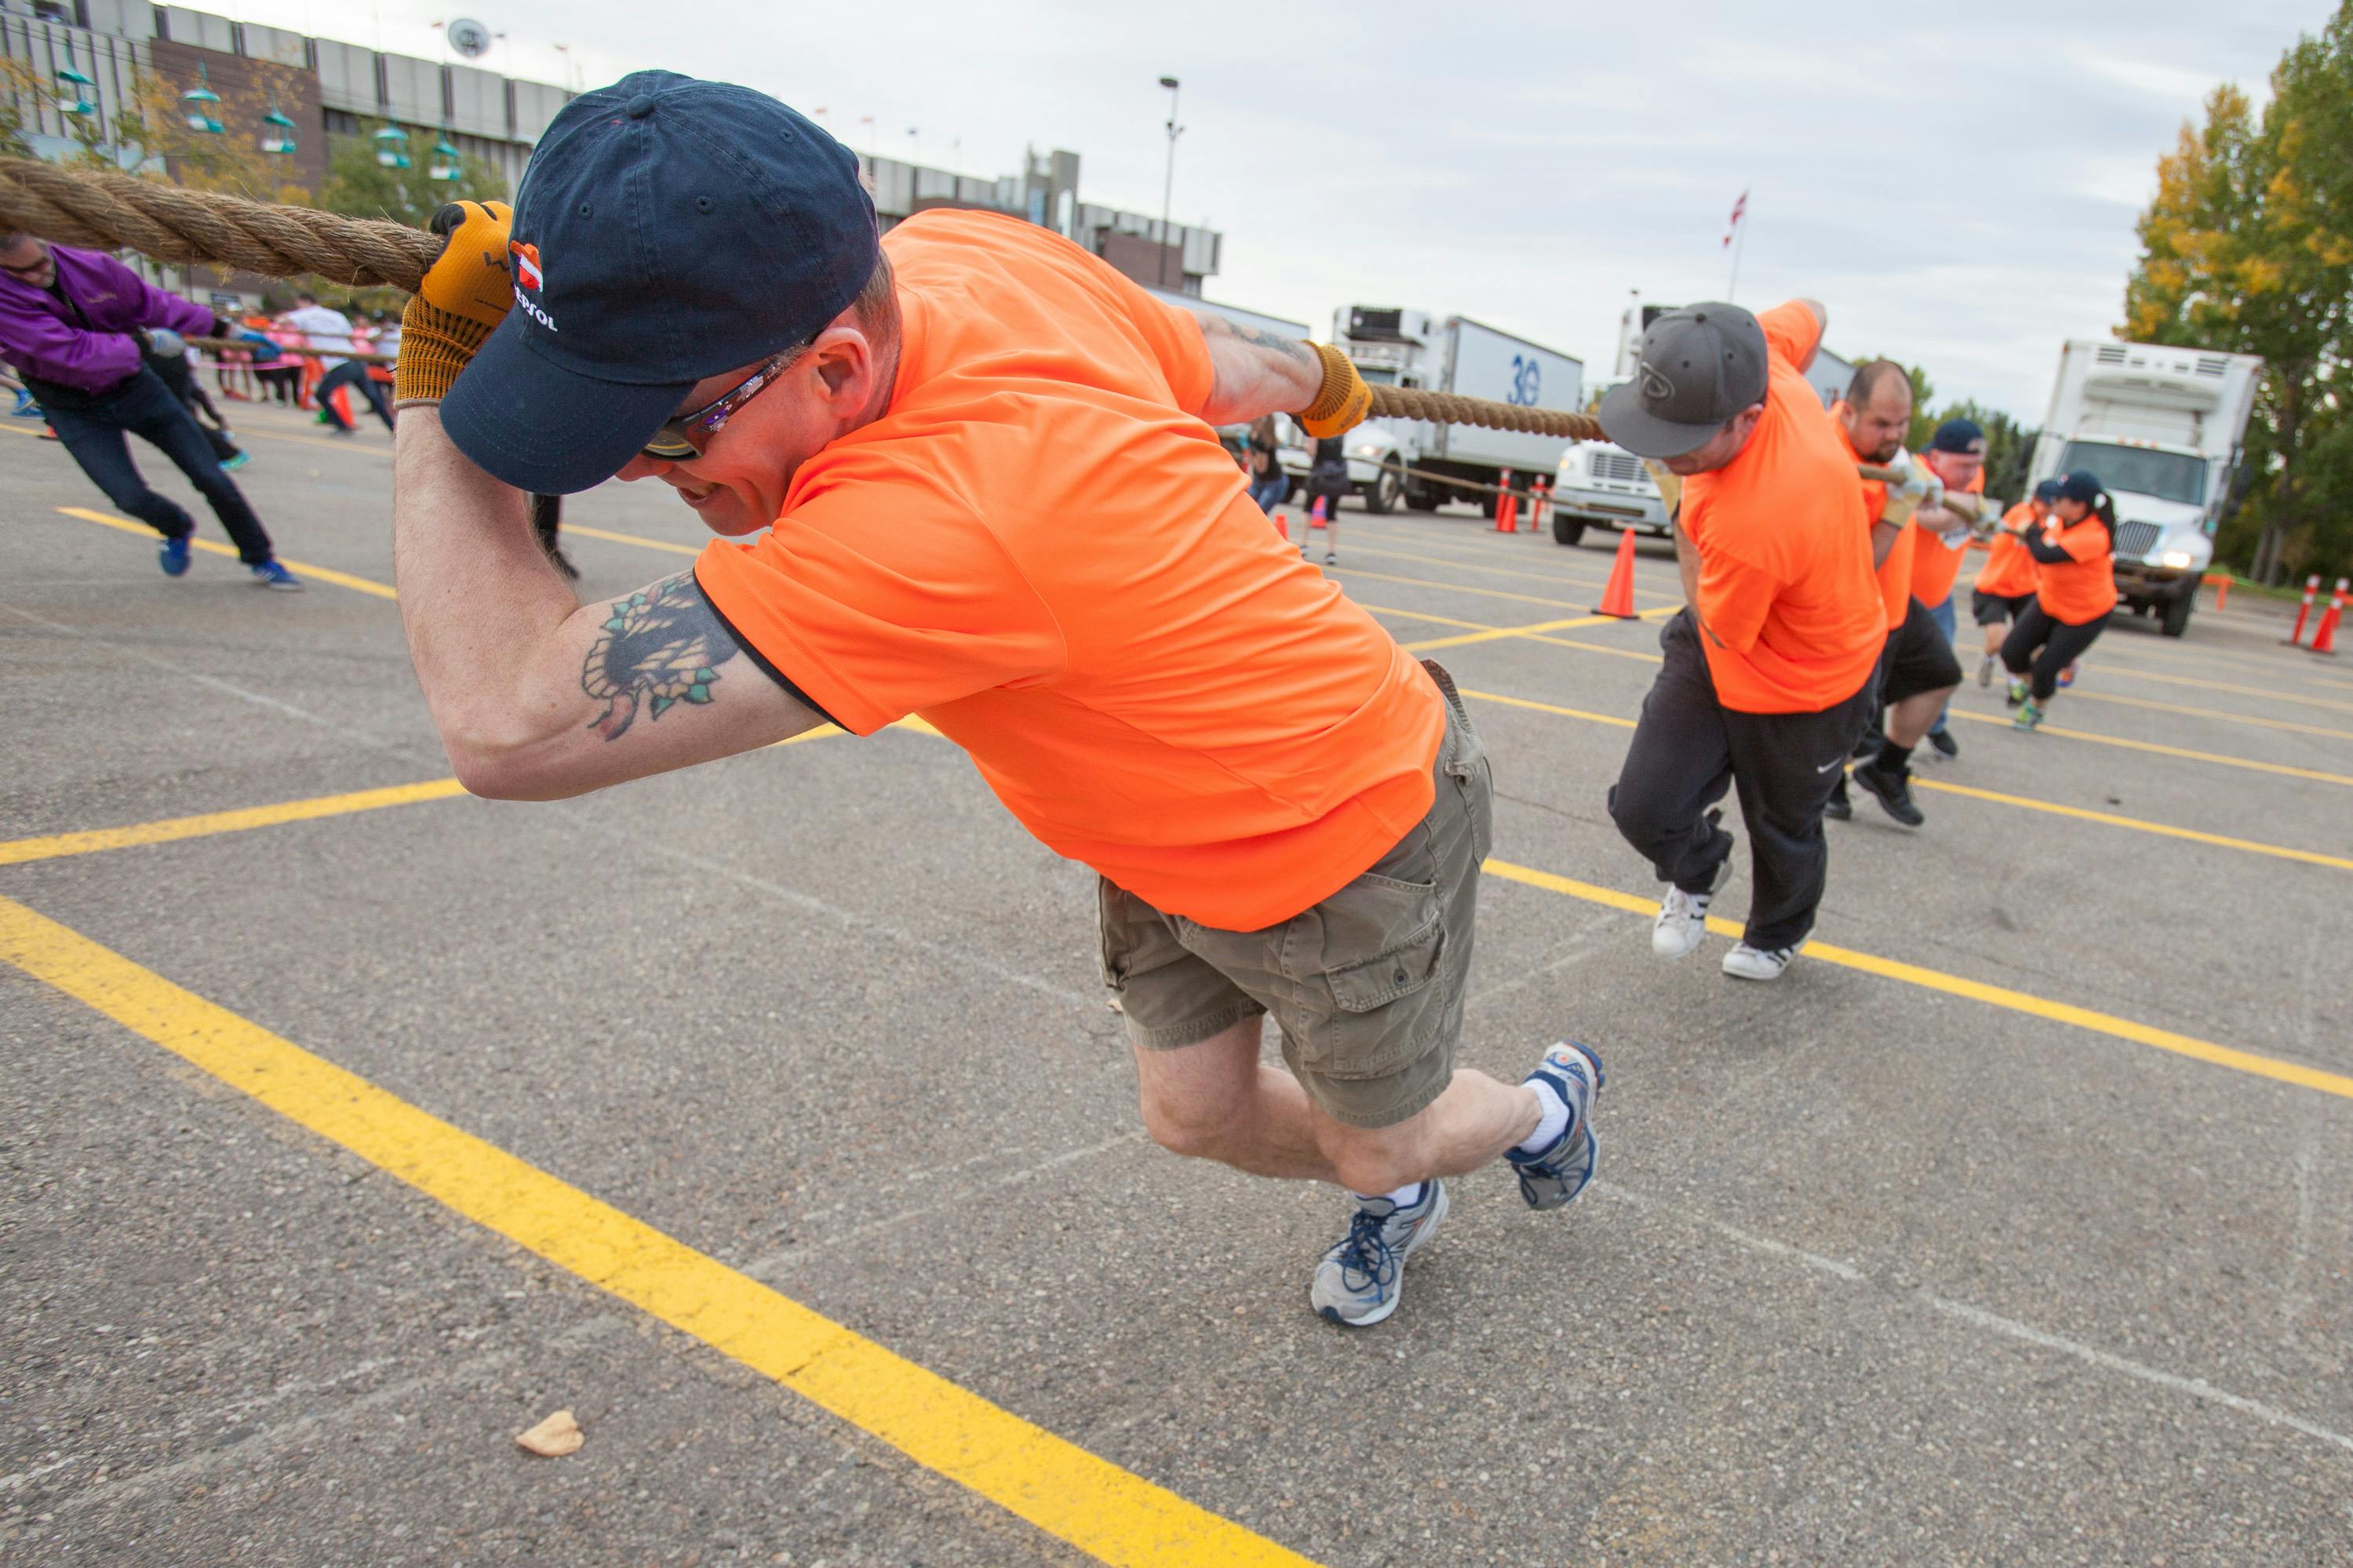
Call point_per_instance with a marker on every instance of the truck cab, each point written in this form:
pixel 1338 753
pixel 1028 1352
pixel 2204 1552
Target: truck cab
pixel 2162 428
pixel 1600 484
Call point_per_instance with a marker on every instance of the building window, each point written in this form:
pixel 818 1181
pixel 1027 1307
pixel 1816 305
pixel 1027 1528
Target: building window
pixel 341 123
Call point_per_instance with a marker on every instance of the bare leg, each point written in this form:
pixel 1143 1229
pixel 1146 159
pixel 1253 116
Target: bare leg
pixel 1215 1100
pixel 1994 634
pixel 1909 719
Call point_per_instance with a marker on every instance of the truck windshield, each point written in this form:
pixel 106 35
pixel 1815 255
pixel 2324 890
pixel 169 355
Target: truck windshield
pixel 2167 475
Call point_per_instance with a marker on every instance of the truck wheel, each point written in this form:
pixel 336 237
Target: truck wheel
pixel 2176 614
pixel 1382 495
pixel 1566 529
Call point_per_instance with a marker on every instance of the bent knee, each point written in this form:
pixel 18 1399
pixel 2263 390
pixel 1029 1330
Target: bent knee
pixel 1179 1127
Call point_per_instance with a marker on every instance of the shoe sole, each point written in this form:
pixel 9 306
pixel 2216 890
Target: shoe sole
pixel 1382 1313
pixel 1731 974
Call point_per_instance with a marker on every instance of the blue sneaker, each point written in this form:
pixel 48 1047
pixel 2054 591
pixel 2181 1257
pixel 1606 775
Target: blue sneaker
pixel 269 575
pixel 26 408
pixel 1553 1175
pixel 235 461
pixel 1361 1279
pixel 174 557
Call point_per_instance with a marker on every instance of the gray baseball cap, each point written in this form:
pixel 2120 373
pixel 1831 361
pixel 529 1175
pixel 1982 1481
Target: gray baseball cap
pixel 1699 366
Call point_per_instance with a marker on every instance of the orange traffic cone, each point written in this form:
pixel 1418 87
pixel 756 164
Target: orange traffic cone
pixel 1507 508
pixel 1315 513
pixel 1617 598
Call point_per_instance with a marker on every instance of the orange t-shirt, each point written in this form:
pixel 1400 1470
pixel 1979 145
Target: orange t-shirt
pixel 2083 587
pixel 1041 549
pixel 1787 613
pixel 2008 568
pixel 1935 563
pixel 1895 574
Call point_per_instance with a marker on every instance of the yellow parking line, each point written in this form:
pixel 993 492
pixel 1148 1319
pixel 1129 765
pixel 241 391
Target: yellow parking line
pixel 1533 633
pixel 1975 990
pixel 639 540
pixel 1107 1513
pixel 2077 694
pixel 2136 824
pixel 1467 565
pixel 2268 695
pixel 2217 758
pixel 1459 588
pixel 300 568
pixel 19 851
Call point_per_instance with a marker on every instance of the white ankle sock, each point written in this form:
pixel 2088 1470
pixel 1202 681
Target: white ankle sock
pixel 1553 1123
pixel 1405 1197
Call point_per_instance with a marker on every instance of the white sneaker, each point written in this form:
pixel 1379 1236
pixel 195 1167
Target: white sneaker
pixel 1683 923
pixel 1746 962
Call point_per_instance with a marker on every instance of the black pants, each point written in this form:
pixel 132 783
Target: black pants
pixel 1688 749
pixel 175 375
pixel 351 372
pixel 277 381
pixel 97 438
pixel 2045 645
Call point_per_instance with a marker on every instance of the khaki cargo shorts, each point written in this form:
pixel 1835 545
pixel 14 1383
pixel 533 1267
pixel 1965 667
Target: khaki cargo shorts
pixel 1366 986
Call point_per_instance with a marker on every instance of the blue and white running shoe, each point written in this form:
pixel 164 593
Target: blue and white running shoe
pixel 269 575
pixel 174 557
pixel 1362 1278
pixel 1553 1175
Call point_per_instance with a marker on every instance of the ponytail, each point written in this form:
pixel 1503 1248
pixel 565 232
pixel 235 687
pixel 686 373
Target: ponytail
pixel 2104 509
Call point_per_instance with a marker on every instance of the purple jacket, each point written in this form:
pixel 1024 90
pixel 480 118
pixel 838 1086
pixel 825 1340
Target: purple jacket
pixel 39 336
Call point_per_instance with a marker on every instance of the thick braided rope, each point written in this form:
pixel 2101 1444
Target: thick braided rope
pixel 173 223
pixel 1446 408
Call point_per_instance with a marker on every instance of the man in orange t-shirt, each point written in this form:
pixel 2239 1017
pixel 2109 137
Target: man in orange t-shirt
pixel 987 491
pixel 2005 586
pixel 1955 455
pixel 1917 670
pixel 1768 671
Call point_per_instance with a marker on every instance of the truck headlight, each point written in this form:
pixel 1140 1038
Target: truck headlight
pixel 2175 558
pixel 1365 449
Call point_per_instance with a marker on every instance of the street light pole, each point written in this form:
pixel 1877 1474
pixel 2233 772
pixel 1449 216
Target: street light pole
pixel 1168 185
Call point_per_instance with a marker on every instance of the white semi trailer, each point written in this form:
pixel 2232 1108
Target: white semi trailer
pixel 1392 346
pixel 2163 428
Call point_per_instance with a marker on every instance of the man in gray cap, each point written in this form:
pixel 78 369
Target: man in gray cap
pixel 1767 673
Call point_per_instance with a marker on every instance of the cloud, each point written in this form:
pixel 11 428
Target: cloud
pixel 1961 192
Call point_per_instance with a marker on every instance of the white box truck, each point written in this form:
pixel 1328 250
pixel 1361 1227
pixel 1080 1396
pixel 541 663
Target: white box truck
pixel 2163 428
pixel 1392 346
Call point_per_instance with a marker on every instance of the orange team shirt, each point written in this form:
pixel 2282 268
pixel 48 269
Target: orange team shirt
pixel 2008 568
pixel 2083 587
pixel 1788 615
pixel 1041 549
pixel 1895 574
pixel 1935 564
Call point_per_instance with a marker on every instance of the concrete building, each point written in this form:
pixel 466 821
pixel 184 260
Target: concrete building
pixel 90 49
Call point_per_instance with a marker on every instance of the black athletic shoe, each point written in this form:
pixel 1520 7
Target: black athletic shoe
pixel 1838 808
pixel 1894 790
pixel 1945 745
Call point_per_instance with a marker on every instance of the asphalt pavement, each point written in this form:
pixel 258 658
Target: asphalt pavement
pixel 346 1140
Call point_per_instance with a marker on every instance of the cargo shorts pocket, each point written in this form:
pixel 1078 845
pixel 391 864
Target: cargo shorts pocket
pixel 1369 1007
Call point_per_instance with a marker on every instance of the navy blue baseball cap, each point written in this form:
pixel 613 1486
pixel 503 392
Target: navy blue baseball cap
pixel 1958 435
pixel 2083 487
pixel 667 230
pixel 2047 491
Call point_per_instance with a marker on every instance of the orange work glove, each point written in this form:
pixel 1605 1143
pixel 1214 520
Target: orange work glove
pixel 1344 400
pixel 462 299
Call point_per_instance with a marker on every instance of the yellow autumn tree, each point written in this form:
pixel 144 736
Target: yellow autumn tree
pixel 2247 248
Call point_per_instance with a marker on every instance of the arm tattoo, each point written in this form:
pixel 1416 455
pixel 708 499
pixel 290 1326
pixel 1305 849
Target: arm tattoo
pixel 1291 347
pixel 661 646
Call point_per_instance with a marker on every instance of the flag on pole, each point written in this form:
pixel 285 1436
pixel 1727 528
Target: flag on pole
pixel 1739 210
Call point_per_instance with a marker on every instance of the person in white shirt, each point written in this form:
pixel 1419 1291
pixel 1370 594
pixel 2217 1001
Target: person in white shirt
pixel 329 332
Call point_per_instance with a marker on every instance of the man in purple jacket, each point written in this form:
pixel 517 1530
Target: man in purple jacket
pixel 70 321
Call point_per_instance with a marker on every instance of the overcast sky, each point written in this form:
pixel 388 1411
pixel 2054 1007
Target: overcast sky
pixel 1960 193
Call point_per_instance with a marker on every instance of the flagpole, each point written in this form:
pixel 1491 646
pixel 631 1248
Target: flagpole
pixel 1739 239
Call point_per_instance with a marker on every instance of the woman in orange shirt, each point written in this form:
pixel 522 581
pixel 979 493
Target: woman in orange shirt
pixel 2075 590
pixel 2006 586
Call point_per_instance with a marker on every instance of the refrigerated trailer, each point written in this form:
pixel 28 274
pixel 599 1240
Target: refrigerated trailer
pixel 1393 461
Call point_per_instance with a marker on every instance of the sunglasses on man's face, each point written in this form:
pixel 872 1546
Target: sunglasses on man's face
pixel 687 436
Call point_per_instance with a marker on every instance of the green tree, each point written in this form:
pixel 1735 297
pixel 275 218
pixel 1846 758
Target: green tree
pixel 2248 248
pixel 152 127
pixel 357 186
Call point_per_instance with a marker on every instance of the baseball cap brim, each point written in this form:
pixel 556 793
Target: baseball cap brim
pixel 543 428
pixel 1626 422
